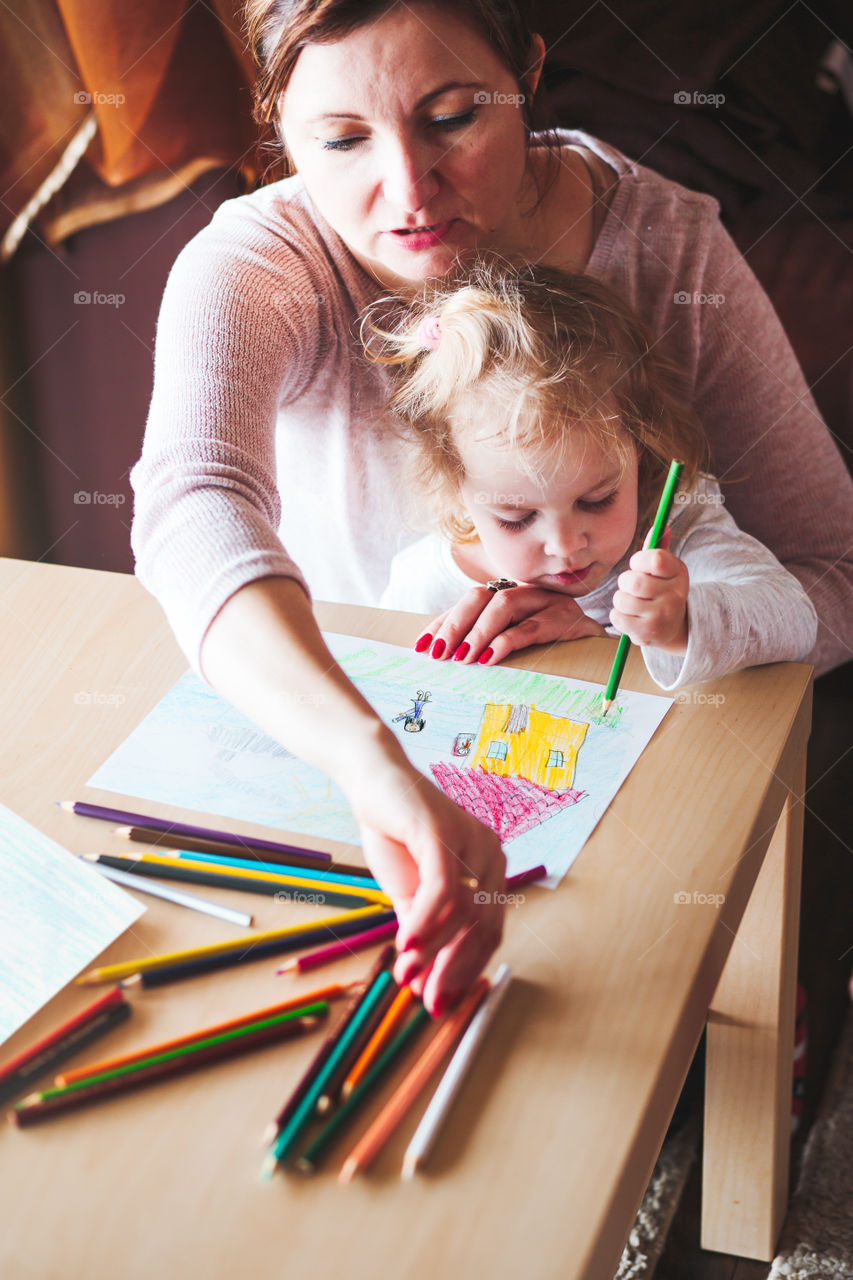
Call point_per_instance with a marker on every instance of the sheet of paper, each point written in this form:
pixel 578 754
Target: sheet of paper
pixel 528 753
pixel 56 915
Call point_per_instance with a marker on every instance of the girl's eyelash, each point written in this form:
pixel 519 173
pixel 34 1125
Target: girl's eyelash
pixel 599 504
pixel 446 123
pixel 514 525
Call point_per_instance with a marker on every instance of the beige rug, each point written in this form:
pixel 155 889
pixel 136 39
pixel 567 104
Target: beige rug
pixel 648 1234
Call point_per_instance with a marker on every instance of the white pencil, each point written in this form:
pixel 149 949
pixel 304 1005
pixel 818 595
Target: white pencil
pixel 140 885
pixel 451 1082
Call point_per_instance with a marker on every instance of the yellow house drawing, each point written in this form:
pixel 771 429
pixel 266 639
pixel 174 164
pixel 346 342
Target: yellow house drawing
pixel 519 741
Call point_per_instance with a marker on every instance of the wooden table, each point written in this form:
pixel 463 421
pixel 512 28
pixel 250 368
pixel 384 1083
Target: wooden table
pixel 559 1126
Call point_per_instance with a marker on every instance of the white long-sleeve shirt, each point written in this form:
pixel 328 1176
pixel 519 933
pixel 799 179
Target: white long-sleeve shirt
pixel 743 607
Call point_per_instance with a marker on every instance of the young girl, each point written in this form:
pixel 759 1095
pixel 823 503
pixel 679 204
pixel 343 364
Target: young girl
pixel 541 421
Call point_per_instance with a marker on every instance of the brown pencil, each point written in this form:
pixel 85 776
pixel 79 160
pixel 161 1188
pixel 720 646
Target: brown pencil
pixel 37 1107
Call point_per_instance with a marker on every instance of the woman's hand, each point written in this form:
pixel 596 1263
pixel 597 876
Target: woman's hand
pixel 650 606
pixel 486 626
pixel 422 848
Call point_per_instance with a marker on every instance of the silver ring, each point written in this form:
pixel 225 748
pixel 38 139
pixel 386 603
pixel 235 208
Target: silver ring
pixel 501 584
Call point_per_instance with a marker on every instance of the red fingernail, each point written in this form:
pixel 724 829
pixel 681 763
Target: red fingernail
pixel 462 651
pixel 424 642
pixel 486 654
pixel 438 648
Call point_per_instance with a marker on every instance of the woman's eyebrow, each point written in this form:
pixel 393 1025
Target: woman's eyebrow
pixel 433 93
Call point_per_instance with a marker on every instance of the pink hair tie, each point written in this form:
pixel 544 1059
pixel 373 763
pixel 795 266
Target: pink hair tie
pixel 429 333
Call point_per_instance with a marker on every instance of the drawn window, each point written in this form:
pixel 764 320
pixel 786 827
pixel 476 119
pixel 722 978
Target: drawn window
pixel 555 760
pixel 496 751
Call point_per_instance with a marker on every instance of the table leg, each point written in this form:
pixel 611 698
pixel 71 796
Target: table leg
pixel 750 1055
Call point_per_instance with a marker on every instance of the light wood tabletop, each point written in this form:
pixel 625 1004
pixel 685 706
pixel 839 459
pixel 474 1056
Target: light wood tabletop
pixel 681 908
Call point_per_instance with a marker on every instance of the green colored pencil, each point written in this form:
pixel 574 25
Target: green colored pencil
pixel 320 1008
pixel 307 1162
pixel 664 508
pixel 292 1130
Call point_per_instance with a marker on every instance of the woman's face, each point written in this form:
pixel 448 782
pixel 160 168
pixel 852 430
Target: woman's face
pixel 409 136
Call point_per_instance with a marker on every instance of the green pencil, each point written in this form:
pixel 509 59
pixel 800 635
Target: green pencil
pixel 291 1132
pixel 308 1161
pixel 664 508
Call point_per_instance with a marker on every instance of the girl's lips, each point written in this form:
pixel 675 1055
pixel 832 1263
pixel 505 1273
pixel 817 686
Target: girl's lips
pixel 422 238
pixel 567 579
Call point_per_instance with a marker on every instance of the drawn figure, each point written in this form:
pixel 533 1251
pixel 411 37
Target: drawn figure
pixel 413 721
pixel 462 743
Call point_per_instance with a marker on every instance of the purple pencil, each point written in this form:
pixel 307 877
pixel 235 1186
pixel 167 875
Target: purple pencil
pixel 86 810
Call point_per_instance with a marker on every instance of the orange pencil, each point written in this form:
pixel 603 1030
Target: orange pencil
pixel 334 992
pixel 386 1122
pixel 396 1013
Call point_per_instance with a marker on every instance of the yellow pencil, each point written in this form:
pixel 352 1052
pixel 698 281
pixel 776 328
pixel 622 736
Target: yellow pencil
pixel 125 968
pixel 251 873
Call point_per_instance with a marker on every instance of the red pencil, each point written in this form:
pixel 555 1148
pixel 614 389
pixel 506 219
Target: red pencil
pixel 346 947
pixel 46 1052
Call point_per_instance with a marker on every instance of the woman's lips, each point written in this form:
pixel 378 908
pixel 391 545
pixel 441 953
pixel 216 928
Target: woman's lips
pixel 422 237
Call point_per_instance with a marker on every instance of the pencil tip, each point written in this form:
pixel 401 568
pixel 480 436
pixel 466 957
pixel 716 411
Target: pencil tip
pixel 134 981
pixel 346 1090
pixel 269 1134
pixel 304 1166
pixel 348 1171
pixel 90 857
pixel 323 1104
pixel 268 1168
pixel 123 831
pixel 66 804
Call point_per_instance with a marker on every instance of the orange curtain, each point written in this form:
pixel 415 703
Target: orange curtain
pixel 152 92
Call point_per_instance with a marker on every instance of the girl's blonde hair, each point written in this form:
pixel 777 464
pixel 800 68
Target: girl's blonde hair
pixel 548 353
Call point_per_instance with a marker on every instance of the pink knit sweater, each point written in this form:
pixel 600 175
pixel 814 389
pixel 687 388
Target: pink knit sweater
pixel 266 451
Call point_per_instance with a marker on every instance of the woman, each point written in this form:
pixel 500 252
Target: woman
pixel 407 128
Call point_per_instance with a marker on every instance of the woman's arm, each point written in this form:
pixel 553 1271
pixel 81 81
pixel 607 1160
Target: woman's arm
pixel 265 654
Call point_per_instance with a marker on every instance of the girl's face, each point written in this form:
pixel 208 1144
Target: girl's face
pixel 409 136
pixel 565 531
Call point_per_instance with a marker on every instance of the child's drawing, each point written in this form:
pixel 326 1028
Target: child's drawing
pixel 527 753
pixel 413 721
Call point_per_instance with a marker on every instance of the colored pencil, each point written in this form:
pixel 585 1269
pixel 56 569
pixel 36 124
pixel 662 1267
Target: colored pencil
pixel 166 825
pixel 379 1041
pixel 124 968
pixel 177 896
pixel 37 1107
pixel 310 1158
pixel 47 1053
pixel 333 992
pixel 319 1009
pixel 451 1082
pixel 241 878
pixel 273 1129
pixel 652 542
pixel 233 848
pixel 292 1131
pixel 348 947
pixel 530 876
pixel 384 961
pixel 164 974
pixel 386 1122
pixel 258 867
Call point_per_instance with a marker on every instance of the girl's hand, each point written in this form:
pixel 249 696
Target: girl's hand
pixel 421 846
pixel 486 626
pixel 650 606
